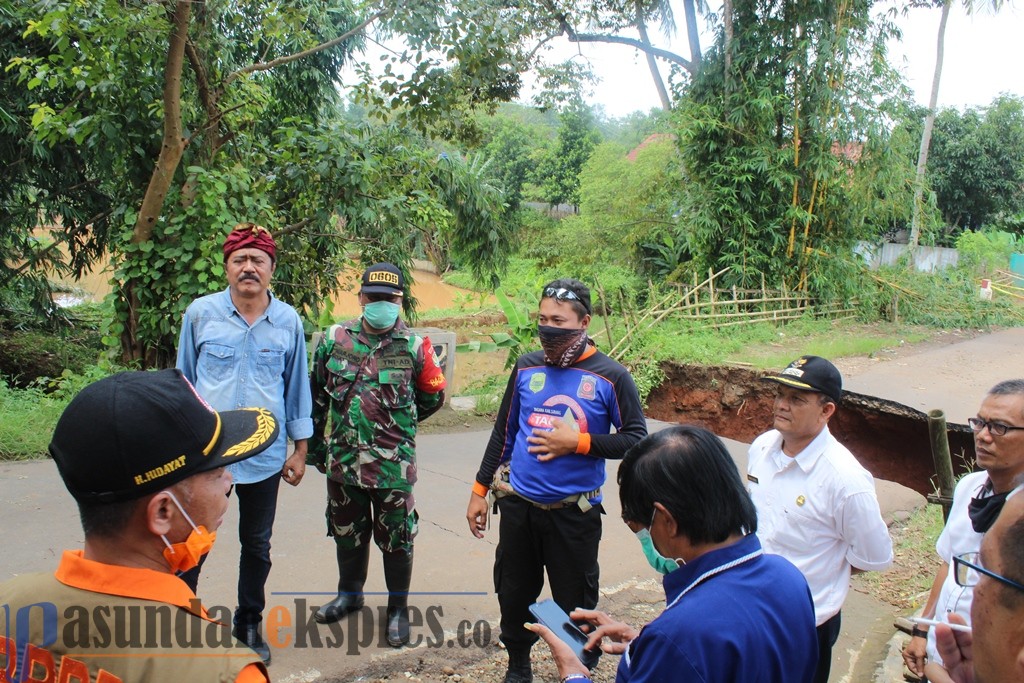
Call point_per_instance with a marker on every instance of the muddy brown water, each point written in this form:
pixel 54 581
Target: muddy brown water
pixel 427 287
pixel 891 440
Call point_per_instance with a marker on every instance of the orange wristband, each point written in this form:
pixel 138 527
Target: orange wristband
pixel 479 489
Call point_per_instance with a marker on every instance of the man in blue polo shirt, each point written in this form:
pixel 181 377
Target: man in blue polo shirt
pixel 733 614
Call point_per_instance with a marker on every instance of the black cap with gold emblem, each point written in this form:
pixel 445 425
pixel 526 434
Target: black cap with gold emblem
pixel 136 433
pixel 811 373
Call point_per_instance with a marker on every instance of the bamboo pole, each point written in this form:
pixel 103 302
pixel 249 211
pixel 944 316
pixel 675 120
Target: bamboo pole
pixel 943 463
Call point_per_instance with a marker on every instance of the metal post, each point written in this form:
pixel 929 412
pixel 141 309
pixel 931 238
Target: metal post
pixel 943 462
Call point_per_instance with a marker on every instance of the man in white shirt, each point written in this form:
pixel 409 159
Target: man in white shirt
pixel 994 651
pixel 977 500
pixel 816 505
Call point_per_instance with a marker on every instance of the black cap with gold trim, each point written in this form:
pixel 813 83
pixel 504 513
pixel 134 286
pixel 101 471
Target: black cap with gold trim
pixel 136 433
pixel 811 373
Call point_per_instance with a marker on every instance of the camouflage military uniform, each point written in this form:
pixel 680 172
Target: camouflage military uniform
pixel 372 390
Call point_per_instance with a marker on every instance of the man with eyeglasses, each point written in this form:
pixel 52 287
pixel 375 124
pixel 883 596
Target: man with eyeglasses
pixel 977 501
pixel 244 347
pixel 816 505
pixel 993 651
pixel 373 380
pixel 553 431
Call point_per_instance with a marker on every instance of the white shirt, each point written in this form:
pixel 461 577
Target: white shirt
pixel 820 512
pixel 958 536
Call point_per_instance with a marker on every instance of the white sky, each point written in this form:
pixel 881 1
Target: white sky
pixel 984 56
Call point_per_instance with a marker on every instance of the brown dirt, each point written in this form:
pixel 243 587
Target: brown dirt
pixel 735 403
pixel 635 604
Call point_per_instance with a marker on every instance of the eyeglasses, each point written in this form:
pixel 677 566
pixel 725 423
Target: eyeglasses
pixel 994 428
pixel 967 567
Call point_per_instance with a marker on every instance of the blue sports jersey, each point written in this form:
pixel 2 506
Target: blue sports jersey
pixel 595 394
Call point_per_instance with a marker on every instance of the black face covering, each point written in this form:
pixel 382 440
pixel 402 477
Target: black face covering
pixel 984 510
pixel 562 346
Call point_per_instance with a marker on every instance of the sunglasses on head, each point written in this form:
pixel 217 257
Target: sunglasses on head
pixel 562 294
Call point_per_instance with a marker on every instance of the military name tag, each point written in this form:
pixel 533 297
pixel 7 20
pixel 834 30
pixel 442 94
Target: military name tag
pixel 346 355
pixel 394 362
pixel 390 376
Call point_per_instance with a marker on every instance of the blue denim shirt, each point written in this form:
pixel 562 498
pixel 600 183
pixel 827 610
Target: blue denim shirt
pixel 234 365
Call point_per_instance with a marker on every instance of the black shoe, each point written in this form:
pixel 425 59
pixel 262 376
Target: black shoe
pixel 337 608
pixel 518 675
pixel 519 669
pixel 398 626
pixel 250 635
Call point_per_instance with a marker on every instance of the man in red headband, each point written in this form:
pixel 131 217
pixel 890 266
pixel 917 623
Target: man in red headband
pixel 244 347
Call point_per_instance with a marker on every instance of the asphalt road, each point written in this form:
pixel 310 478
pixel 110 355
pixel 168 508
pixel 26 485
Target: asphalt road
pixel 452 585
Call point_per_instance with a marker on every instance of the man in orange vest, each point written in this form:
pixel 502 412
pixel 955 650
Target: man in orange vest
pixel 145 459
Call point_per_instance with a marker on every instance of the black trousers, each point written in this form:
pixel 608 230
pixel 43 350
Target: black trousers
pixel 564 541
pixel 828 634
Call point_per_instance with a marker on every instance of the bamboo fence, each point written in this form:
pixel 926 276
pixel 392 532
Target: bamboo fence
pixel 731 306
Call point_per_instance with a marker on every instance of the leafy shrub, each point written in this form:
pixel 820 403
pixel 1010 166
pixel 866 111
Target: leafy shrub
pixel 985 251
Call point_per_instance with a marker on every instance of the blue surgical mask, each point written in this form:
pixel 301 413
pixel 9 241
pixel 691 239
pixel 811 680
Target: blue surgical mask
pixel 658 562
pixel 381 315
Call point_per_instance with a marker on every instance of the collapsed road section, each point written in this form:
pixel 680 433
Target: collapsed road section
pixel 890 439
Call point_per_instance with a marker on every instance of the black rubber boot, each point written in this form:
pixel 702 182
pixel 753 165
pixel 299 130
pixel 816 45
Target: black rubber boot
pixel 398 576
pixel 352 566
pixel 519 670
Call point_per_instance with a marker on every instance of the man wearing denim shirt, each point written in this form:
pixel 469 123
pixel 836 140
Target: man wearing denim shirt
pixel 243 347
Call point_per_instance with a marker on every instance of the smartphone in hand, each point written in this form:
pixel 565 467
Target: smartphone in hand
pixel 548 612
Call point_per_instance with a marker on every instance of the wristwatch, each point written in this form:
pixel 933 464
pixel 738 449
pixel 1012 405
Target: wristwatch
pixel 918 632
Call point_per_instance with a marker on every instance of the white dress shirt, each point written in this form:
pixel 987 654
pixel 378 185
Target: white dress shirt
pixel 957 537
pixel 819 511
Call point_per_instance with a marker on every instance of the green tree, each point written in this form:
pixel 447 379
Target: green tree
pixel 929 121
pixel 627 206
pixel 509 153
pixel 769 137
pixel 244 92
pixel 558 174
pixel 977 162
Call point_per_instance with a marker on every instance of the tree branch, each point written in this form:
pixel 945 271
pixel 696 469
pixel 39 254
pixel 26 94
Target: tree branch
pixel 294 227
pixel 632 42
pixel 265 66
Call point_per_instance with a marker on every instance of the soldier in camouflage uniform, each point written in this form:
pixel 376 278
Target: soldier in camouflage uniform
pixel 373 380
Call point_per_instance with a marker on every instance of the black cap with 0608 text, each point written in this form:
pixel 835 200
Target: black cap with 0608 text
pixel 383 278
pixel 136 433
pixel 811 373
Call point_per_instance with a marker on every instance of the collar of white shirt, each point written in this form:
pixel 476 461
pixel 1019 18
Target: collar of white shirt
pixel 805 459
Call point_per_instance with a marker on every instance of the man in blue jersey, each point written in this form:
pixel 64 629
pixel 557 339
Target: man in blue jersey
pixel 733 614
pixel 553 433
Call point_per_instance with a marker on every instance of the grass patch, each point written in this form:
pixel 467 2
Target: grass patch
pixel 833 340
pixel 906 584
pixel 27 418
pixel 488 392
